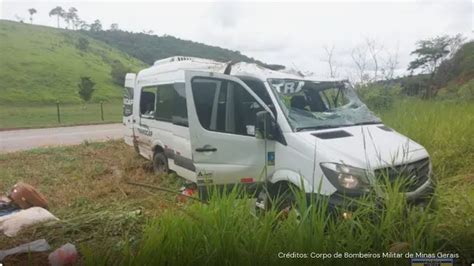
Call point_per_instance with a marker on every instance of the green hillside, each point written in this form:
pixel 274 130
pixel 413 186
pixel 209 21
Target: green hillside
pixel 42 65
pixel 150 48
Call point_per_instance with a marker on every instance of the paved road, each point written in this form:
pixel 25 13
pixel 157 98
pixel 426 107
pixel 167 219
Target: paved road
pixel 16 140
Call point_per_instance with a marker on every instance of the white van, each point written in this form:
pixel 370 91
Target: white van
pixel 224 124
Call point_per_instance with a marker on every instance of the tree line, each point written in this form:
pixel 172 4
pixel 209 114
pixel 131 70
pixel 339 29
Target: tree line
pixel 71 18
pixel 372 63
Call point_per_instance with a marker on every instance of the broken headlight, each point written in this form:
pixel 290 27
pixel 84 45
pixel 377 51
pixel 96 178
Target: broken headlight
pixel 346 179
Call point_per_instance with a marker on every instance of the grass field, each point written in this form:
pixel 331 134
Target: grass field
pixel 41 64
pixel 30 116
pixel 113 222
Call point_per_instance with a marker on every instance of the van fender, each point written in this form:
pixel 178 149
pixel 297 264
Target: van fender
pixel 285 175
pixel 156 145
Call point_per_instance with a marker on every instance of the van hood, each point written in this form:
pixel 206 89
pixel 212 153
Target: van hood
pixel 368 146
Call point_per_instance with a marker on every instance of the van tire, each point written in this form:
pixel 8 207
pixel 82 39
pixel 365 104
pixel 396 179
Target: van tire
pixel 160 164
pixel 278 196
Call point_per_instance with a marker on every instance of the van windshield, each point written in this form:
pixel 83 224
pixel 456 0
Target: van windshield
pixel 317 105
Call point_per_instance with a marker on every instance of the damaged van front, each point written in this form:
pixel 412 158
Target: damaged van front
pixel 337 148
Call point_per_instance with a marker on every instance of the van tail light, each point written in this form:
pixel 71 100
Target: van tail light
pixel 247 180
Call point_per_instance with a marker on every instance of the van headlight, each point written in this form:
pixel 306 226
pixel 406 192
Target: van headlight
pixel 345 178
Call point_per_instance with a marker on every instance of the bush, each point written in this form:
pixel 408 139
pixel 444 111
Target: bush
pixel 458 92
pixel 118 72
pixel 86 88
pixel 378 97
pixel 82 44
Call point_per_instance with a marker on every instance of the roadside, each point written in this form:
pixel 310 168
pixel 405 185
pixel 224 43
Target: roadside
pixel 24 139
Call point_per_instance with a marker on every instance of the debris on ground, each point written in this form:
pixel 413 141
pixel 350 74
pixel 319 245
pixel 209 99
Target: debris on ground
pixel 65 255
pixel 7 206
pixel 11 224
pixel 36 246
pixel 27 196
pixel 23 207
pixel 186 193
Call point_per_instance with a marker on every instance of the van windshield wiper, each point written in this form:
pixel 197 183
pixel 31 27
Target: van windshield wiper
pixel 368 123
pixel 298 129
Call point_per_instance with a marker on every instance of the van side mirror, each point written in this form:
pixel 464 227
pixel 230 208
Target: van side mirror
pixel 267 128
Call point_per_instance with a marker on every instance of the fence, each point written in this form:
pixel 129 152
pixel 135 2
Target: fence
pixel 57 114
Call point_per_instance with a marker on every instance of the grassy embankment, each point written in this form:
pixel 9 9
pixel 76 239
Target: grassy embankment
pixel 41 65
pixel 99 210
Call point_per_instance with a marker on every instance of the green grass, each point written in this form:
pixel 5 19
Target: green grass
pixel 42 65
pixel 444 128
pixel 45 115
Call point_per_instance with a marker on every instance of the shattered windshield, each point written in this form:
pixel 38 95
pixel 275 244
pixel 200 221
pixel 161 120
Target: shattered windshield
pixel 316 105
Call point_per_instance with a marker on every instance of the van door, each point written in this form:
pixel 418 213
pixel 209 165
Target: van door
pixel 127 119
pixel 222 114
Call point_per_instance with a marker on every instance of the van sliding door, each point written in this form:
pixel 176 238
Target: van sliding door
pixel 222 115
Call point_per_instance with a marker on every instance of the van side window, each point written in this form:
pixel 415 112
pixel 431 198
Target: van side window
pixel 165 103
pixel 180 110
pixel 148 102
pixel 225 106
pixel 165 97
pixel 259 88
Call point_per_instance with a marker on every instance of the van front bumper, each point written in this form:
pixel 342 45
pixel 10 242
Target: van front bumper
pixel 421 195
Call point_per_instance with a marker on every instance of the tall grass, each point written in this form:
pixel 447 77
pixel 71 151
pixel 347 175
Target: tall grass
pixel 227 232
pixel 444 128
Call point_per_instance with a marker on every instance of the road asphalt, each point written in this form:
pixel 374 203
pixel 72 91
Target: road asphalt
pixel 25 139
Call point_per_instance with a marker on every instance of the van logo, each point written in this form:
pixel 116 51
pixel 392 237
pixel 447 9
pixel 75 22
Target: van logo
pixel 145 131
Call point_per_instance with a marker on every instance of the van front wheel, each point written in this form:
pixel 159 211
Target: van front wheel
pixel 160 164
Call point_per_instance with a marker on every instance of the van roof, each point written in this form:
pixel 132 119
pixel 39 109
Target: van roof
pixel 178 63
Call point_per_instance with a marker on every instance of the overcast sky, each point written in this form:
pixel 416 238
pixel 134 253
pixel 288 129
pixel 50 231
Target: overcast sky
pixel 290 33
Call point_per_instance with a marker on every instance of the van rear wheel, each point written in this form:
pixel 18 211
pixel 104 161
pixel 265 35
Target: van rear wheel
pixel 160 164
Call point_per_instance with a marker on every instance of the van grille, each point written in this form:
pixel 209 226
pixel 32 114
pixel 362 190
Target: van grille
pixel 411 176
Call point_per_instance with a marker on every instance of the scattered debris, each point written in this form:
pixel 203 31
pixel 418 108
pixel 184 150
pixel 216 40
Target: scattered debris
pixel 7 206
pixel 65 255
pixel 186 192
pixel 26 196
pixel 36 246
pixel 11 224
pixel 167 190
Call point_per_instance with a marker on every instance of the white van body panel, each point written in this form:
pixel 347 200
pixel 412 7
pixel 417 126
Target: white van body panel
pixel 129 92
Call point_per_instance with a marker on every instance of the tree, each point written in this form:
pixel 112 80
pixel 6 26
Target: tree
pixel 374 48
pixel 390 64
pixel 429 55
pixel 82 44
pixel 83 25
pixel 32 11
pixel 114 27
pixel 330 60
pixel 359 56
pixel 86 88
pixel 58 12
pixel 71 16
pixel 118 72
pixel 96 26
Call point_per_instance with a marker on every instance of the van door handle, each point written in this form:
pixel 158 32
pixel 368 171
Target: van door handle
pixel 206 149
